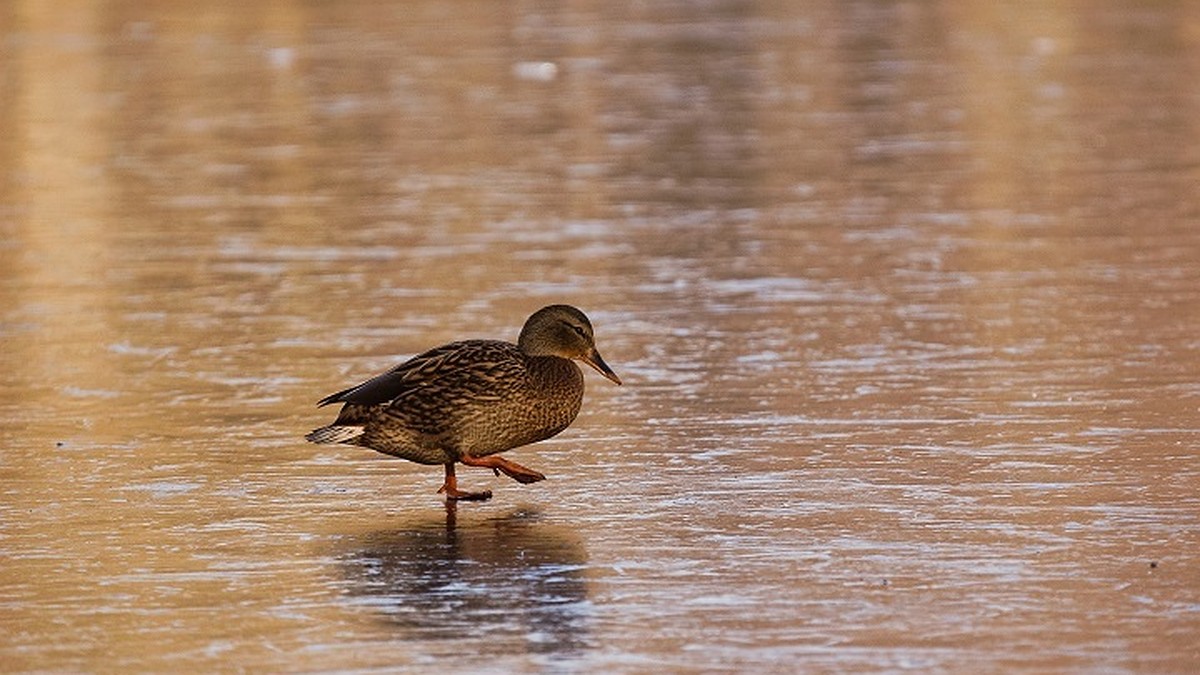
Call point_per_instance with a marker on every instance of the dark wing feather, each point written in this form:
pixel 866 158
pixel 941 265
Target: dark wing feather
pixel 463 363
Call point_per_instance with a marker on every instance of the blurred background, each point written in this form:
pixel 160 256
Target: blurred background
pixel 904 295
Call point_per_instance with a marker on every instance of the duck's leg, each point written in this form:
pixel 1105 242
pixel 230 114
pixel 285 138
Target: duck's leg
pixel 450 488
pixel 513 470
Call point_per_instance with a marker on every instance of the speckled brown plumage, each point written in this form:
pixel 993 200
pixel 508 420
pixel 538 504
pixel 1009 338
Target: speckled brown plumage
pixel 468 401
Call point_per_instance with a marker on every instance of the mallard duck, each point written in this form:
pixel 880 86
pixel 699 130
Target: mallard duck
pixel 469 401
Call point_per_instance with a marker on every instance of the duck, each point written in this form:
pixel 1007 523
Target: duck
pixel 468 401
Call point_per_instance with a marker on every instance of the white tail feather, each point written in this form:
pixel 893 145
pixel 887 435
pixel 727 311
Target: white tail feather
pixel 334 433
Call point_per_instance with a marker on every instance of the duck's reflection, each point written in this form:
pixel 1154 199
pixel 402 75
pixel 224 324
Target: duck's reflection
pixel 511 577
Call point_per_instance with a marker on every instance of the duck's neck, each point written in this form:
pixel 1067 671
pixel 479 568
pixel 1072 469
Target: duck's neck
pixel 556 376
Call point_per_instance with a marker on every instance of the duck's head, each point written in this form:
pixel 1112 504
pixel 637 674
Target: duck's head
pixel 562 330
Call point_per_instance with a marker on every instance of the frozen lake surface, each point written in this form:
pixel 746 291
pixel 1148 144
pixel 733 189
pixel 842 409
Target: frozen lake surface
pixel 904 296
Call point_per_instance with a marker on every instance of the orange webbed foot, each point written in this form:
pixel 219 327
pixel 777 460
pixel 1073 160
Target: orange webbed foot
pixel 450 489
pixel 464 496
pixel 515 471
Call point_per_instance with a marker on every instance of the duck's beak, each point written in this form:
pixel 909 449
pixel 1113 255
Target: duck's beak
pixel 593 359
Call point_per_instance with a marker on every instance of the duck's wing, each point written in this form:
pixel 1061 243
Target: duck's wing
pixel 454 371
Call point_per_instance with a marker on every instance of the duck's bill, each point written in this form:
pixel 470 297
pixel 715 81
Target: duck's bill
pixel 593 359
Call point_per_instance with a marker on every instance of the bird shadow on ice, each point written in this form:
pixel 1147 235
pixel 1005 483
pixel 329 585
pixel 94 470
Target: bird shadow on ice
pixel 512 577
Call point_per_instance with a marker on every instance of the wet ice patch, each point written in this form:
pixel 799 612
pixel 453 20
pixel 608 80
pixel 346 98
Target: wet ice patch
pixel 164 488
pixel 535 71
pixel 81 392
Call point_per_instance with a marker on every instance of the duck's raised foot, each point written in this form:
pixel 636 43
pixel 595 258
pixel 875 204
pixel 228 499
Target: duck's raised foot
pixel 515 471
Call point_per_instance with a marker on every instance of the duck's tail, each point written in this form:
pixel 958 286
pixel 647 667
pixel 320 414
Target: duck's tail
pixel 335 433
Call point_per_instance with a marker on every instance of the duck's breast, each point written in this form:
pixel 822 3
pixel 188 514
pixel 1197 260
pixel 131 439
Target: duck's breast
pixel 546 403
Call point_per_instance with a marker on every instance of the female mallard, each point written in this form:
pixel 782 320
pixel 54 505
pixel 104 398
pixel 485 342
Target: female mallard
pixel 469 401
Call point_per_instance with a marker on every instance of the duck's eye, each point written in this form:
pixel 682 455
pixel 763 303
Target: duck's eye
pixel 578 331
